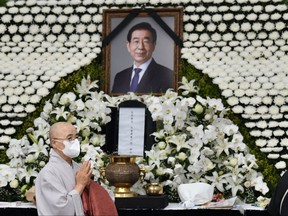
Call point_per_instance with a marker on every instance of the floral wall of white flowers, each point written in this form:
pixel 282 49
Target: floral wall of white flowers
pixel 240 44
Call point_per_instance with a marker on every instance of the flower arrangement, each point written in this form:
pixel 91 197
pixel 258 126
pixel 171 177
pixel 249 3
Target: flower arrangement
pixel 194 142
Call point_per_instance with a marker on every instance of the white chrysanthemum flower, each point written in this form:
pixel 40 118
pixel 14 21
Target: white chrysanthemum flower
pixel 238 109
pixel 35 10
pixel 199 28
pixel 235 27
pixel 22 29
pixel 29 90
pixel 74 37
pixel 9 91
pixel 62 38
pixel 58 10
pixel 267 133
pixel 86 18
pixel 274 110
pixel 222 27
pixel 256 133
pixel 262 92
pixel 280 26
pixel 37 84
pixel 3 99
pixel 240 36
pixel 190 8
pixel 92 28
pixel 48 85
pixel 12 29
pixel 273 156
pixel 278 133
pixel 25 83
pixel 4 122
pixel 272 142
pixel 27 18
pixel 16 38
pixel 5 139
pixel 73 19
pixel 39 38
pixel 211 27
pixel 9 131
pixel 7 108
pixel 62 19
pixel 269 26
pixel 3 28
pixel 81 9
pixel 250 110
pixel 39 18
pixel 232 101
pixel 284 142
pixel 261 142
pixel 206 18
pixel 18 18
pixel 80 28
pixel 34 29
pixel 239 93
pixel 69 28
pixel 6 18
pixel 279 100
pixel 245 27
pixel 283 124
pixel 222 8
pixel 99 28
pixel 244 100
pixel 262 109
pixel 68 10
pixel 30 108
pixel 256 100
pixel 13 99
pixel 189 27
pixel 56 29
pixel 24 99
pixel 46 9
pixel 34 99
pixel 97 18
pixel 252 17
pixel 3 10
pixel 18 108
pixel 257 26
pixel 51 38
pixel 51 19
pixel 280 165
pixel 275 16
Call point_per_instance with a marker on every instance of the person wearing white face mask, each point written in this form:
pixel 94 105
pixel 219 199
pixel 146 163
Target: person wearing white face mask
pixel 60 183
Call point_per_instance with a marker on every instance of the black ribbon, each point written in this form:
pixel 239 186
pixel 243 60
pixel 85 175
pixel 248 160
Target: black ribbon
pixel 135 13
pixel 165 27
pixel 122 25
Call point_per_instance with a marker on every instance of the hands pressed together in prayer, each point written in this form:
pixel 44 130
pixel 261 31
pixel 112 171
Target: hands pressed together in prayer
pixel 83 177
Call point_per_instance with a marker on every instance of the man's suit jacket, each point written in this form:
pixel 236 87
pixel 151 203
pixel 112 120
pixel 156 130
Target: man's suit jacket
pixel 157 79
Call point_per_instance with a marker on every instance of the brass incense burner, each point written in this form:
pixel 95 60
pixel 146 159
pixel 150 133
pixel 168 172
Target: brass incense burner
pixel 154 189
pixel 122 172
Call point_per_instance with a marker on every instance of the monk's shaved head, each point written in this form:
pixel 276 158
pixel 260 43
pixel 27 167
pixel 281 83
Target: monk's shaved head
pixel 58 130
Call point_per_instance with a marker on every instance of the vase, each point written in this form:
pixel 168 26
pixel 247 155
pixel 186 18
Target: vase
pixel 122 172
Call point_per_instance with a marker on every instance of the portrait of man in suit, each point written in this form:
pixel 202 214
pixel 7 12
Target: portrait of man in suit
pixel 145 75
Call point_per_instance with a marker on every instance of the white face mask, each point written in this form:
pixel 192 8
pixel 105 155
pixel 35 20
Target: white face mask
pixel 71 149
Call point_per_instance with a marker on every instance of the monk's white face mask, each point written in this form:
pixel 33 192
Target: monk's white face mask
pixel 72 148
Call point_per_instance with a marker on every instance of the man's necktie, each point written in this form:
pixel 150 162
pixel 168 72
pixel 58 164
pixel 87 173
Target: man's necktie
pixel 135 80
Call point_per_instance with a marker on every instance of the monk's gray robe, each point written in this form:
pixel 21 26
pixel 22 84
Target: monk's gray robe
pixel 55 194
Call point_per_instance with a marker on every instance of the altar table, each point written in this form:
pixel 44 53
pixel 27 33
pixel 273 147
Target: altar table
pixel 28 209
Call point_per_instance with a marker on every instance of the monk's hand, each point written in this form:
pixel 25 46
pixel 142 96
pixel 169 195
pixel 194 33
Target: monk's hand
pixel 83 176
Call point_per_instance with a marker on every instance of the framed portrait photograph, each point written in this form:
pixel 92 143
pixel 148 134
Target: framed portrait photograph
pixel 141 50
